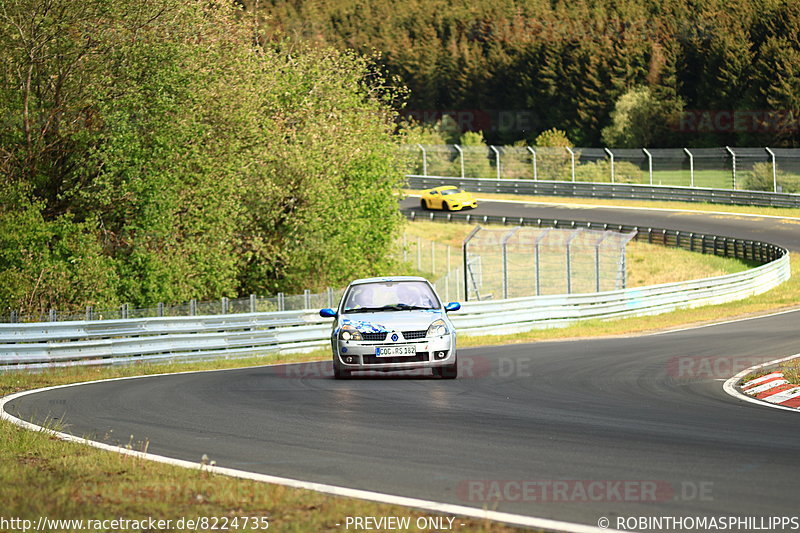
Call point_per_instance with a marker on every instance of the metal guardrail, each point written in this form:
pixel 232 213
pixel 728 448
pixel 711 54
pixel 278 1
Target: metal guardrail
pixel 51 344
pixel 609 191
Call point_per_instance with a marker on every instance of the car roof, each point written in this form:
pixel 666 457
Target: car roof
pixel 444 188
pixel 387 279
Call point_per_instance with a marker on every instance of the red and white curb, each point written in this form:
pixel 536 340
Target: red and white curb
pixel 771 390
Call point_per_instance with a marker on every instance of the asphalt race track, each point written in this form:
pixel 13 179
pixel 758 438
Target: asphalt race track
pixel 648 411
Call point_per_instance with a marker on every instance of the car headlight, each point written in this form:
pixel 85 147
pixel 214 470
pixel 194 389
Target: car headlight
pixel 437 329
pixel 349 333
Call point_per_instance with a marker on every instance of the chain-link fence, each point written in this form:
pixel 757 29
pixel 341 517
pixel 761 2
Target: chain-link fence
pixel 525 261
pixel 223 306
pixel 438 262
pixel 759 169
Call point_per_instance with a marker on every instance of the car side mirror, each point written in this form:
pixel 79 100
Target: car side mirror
pixel 452 306
pixel 327 313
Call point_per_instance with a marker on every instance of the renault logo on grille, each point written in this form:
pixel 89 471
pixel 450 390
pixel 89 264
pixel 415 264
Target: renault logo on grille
pixel 395 337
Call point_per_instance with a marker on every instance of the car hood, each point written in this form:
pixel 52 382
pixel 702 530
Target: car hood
pixel 461 197
pixel 386 321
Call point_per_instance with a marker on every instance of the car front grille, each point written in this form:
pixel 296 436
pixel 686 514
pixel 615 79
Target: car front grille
pixel 375 360
pixel 409 335
pixel 374 336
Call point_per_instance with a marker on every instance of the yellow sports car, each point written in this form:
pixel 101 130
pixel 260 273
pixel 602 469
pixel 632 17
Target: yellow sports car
pixel 447 197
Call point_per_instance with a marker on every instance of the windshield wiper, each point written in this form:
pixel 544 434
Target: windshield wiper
pixel 405 307
pixel 393 307
pixel 364 309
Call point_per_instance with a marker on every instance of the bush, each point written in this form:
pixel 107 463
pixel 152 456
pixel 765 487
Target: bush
pixel 760 178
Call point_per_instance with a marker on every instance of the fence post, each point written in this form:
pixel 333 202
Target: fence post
pixel 192 307
pixel 649 164
pixel 280 301
pixel 691 167
pixel 733 164
pixel 51 315
pixel 160 308
pixel 461 158
pixel 13 318
pixel 307 299
pixel 569 259
pixel 424 161
pixel 774 171
pixel 572 161
pixel 464 245
pixel 330 297
pixel 224 305
pixel 252 303
pixel 611 156
pixel 533 158
pixel 497 159
pixel 89 313
pixel 597 267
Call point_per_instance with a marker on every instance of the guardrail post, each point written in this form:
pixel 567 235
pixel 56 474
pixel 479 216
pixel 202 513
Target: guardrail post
pixel 160 308
pixel 691 167
pixel 51 315
pixel 281 302
pixel 461 158
pixel 649 164
pixel 192 307
pixel 14 317
pixel 307 299
pixel 89 313
pixel 733 164
pixel 533 158
pixel 611 157
pixel 123 311
pixel 774 170
pixel 252 303
pixel 224 305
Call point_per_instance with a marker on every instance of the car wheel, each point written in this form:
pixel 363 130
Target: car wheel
pixel 446 372
pixel 446 206
pixel 340 373
pixel 423 204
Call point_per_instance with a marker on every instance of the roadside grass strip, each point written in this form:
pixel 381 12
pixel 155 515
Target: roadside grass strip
pixel 774 388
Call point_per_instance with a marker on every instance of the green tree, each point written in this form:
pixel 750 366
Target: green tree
pixel 640 119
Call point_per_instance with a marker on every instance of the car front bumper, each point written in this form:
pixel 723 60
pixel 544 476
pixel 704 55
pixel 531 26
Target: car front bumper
pixel 361 355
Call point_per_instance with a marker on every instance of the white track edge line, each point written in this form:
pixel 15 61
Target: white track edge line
pixel 730 385
pixel 334 490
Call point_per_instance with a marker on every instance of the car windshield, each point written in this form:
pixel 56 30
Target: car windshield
pixel 390 296
pixel 452 191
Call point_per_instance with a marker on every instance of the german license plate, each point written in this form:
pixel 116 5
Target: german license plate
pixel 396 351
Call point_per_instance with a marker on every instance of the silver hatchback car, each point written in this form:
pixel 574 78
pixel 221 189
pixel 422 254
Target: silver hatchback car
pixel 393 323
